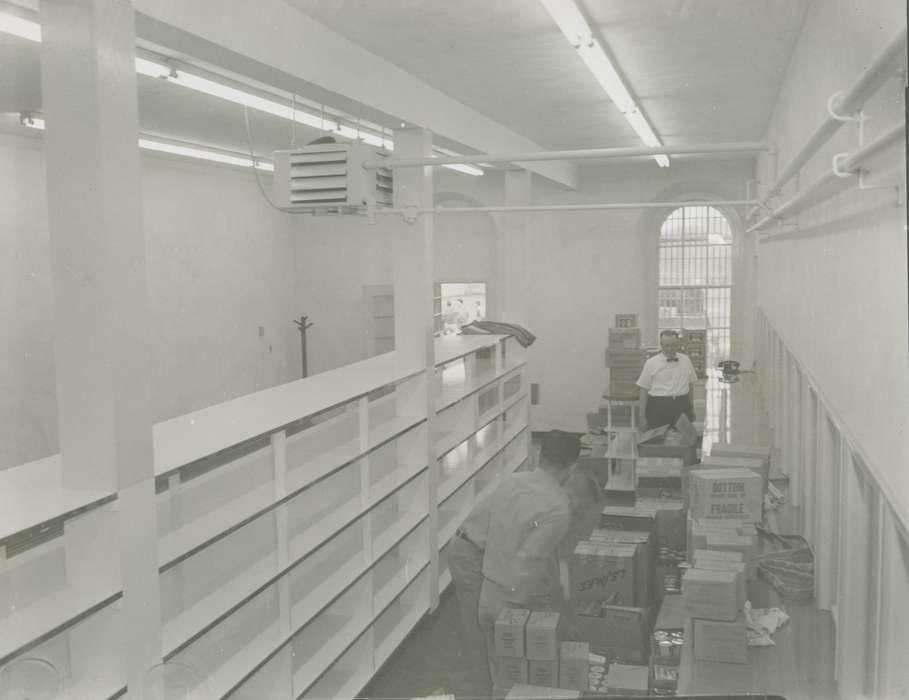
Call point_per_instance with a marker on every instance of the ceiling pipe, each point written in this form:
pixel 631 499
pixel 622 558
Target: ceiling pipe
pixel 831 183
pixel 412 211
pixel 891 59
pixel 582 154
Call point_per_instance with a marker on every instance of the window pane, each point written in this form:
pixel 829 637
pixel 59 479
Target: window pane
pixel 670 315
pixel 695 275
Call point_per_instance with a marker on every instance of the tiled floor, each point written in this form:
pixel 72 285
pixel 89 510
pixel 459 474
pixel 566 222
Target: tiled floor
pixel 430 662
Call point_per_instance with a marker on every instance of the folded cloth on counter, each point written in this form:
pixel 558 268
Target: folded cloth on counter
pixel 521 334
pixel 763 622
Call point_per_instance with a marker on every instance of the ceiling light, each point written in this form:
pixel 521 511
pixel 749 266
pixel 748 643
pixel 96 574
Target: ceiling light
pixel 574 26
pixel 202 154
pixel 231 94
pixel 33 122
pixel 11 24
pixel 464 168
pixel 152 69
pixel 459 167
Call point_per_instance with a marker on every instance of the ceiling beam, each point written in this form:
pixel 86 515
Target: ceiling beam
pixel 283 41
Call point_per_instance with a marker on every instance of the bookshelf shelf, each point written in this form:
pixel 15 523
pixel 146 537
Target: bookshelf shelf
pixel 295 526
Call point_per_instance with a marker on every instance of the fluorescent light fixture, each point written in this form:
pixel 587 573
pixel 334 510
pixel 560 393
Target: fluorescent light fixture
pixel 17 26
pixel 151 68
pixel 12 24
pixel 459 167
pixel 174 149
pixel 231 94
pixel 573 25
pixel 31 122
pixel 203 154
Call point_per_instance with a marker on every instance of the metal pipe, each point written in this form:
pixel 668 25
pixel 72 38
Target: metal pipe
pixel 870 81
pixel 829 184
pixel 565 207
pixel 582 154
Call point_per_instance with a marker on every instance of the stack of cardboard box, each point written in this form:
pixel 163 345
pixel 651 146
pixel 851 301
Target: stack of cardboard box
pixel 725 504
pixel 528 652
pixel 624 356
pixel 694 344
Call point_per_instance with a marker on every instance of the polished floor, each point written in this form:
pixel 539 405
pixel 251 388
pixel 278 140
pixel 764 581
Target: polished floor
pixel 430 661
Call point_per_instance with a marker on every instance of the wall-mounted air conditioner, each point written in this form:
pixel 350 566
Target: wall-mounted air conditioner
pixel 330 176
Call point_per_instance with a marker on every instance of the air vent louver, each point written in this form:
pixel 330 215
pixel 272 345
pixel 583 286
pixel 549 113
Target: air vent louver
pixel 330 176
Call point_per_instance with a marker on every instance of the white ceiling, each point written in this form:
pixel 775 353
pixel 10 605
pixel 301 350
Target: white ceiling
pixel 704 70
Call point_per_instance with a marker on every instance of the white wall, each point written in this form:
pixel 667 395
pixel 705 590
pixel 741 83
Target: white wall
pixel 588 266
pixel 836 292
pixel 584 266
pixel 219 263
pixel 336 256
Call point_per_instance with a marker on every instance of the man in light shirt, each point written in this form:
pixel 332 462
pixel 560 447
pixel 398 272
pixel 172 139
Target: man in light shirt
pixel 665 384
pixel 530 515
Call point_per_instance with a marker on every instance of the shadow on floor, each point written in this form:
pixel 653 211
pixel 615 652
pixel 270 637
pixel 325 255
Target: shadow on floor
pixel 430 662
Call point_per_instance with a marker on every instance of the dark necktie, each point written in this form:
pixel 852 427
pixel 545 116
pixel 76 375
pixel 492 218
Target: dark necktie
pixel 672 359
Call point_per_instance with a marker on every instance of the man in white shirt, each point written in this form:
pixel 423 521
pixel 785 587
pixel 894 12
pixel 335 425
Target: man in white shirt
pixel 665 384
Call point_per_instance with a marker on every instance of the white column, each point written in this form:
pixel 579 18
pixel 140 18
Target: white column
pixel 413 249
pixel 101 310
pixel 414 273
pixel 514 253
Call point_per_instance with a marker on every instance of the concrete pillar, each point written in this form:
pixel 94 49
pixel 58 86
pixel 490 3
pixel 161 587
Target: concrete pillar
pixel 88 82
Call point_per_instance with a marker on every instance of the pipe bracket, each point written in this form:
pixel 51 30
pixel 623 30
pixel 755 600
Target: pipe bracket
pixel 837 165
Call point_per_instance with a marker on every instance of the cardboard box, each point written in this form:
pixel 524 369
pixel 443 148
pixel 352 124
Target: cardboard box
pixel 623 679
pixel 604 572
pixel 738 449
pixel 626 320
pixel 628 518
pixel 727 557
pixel 509 671
pixel 726 493
pixel 744 544
pixel 670 521
pixel 697 530
pixel 521 691
pixel 543 673
pixel 659 477
pixel 644 564
pixel 757 465
pixel 721 641
pixel 573 665
pixel 541 637
pixel 629 338
pixel 616 627
pixel 710 594
pixel 626 358
pixel 509 632
pixel 737 567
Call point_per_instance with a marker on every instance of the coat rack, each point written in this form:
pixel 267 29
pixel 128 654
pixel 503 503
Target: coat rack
pixel 302 325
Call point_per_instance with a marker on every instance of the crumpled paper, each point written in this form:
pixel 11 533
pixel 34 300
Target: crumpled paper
pixel 763 622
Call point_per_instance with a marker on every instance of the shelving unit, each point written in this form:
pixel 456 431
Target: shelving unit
pixel 298 527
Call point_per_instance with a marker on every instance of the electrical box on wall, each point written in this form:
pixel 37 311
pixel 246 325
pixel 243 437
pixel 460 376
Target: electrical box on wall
pixel 330 177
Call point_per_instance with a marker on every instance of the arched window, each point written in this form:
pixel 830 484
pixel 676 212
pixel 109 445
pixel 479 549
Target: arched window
pixel 695 280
